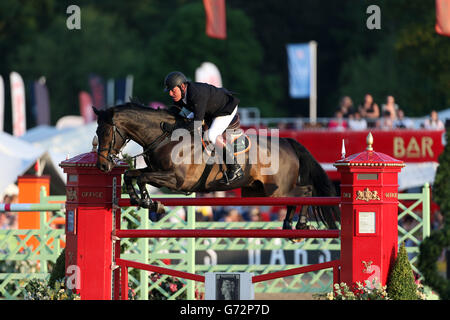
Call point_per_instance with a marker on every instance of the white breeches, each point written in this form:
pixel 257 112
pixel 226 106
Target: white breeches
pixel 219 125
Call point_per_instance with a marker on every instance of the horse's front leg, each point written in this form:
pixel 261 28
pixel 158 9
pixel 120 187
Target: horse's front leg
pixel 129 176
pixel 145 201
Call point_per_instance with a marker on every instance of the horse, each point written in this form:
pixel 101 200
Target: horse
pixel 289 170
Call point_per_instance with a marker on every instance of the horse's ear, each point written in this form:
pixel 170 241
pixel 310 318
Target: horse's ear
pixel 95 110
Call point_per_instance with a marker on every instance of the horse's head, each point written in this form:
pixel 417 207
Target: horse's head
pixel 110 140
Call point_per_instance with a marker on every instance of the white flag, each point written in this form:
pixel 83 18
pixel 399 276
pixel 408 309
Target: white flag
pixel 18 104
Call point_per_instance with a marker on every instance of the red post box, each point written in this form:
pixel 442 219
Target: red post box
pixel 369 213
pixel 89 205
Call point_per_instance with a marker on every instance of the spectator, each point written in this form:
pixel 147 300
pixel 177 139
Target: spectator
pixel 390 106
pixel 369 110
pixel 204 213
pixel 279 214
pixel 356 122
pixel 346 106
pixel 385 123
pixel 4 223
pixel 233 216
pixel 338 123
pixel 255 214
pixel 433 123
pixel 402 122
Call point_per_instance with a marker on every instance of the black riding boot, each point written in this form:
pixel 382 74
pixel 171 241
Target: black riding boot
pixel 234 171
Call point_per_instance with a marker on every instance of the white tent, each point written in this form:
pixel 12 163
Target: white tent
pixel 70 142
pixel 18 157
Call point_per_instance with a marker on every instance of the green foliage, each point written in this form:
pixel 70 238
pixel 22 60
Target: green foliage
pixel 39 290
pixel 67 57
pixel 148 39
pixel 432 247
pixel 59 269
pixel 359 291
pixel 169 286
pixel 401 284
pixel 183 45
pixel 406 53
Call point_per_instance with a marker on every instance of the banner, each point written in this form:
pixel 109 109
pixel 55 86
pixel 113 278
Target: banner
pixel 208 73
pixel 18 104
pixel 42 103
pixel 443 17
pixel 2 104
pixel 299 64
pixel 216 26
pixel 98 91
pixel 120 88
pixel 86 107
pixel 129 88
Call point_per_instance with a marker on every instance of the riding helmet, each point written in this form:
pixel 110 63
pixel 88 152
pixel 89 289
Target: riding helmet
pixel 173 80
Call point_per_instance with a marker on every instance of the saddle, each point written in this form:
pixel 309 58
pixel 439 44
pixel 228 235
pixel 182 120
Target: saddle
pixel 240 142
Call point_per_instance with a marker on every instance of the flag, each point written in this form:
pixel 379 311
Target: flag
pixel 18 104
pixel 2 103
pixel 98 91
pixel 42 104
pixel 86 107
pixel 208 73
pixel 128 87
pixel 443 17
pixel 216 26
pixel 120 88
pixel 299 64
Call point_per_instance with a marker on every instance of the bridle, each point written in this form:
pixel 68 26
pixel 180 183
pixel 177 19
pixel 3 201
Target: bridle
pixel 113 152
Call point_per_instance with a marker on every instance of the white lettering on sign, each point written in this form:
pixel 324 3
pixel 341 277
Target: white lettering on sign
pixel 366 222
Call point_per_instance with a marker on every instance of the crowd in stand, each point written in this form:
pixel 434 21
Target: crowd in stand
pixel 368 114
pixel 8 220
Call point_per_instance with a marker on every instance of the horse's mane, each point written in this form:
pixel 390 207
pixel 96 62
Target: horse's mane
pixel 140 110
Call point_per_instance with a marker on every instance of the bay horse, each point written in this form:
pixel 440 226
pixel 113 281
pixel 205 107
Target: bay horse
pixel 289 169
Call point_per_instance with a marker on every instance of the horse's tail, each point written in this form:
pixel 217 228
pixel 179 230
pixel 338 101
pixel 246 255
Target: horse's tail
pixel 312 173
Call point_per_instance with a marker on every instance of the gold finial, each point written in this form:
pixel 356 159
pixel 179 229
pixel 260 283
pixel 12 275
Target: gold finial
pixel 369 141
pixel 94 144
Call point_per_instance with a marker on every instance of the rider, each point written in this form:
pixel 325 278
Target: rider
pixel 205 100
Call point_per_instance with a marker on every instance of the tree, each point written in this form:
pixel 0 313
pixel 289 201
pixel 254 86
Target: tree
pixel 431 248
pixel 183 45
pixel 408 59
pixel 66 57
pixel 401 284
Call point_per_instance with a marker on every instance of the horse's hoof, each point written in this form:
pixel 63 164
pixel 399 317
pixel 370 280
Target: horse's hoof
pixel 155 206
pixel 134 201
pixel 159 207
pixel 304 226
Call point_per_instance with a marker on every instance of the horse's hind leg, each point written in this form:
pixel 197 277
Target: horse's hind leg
pixel 287 222
pixel 302 223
